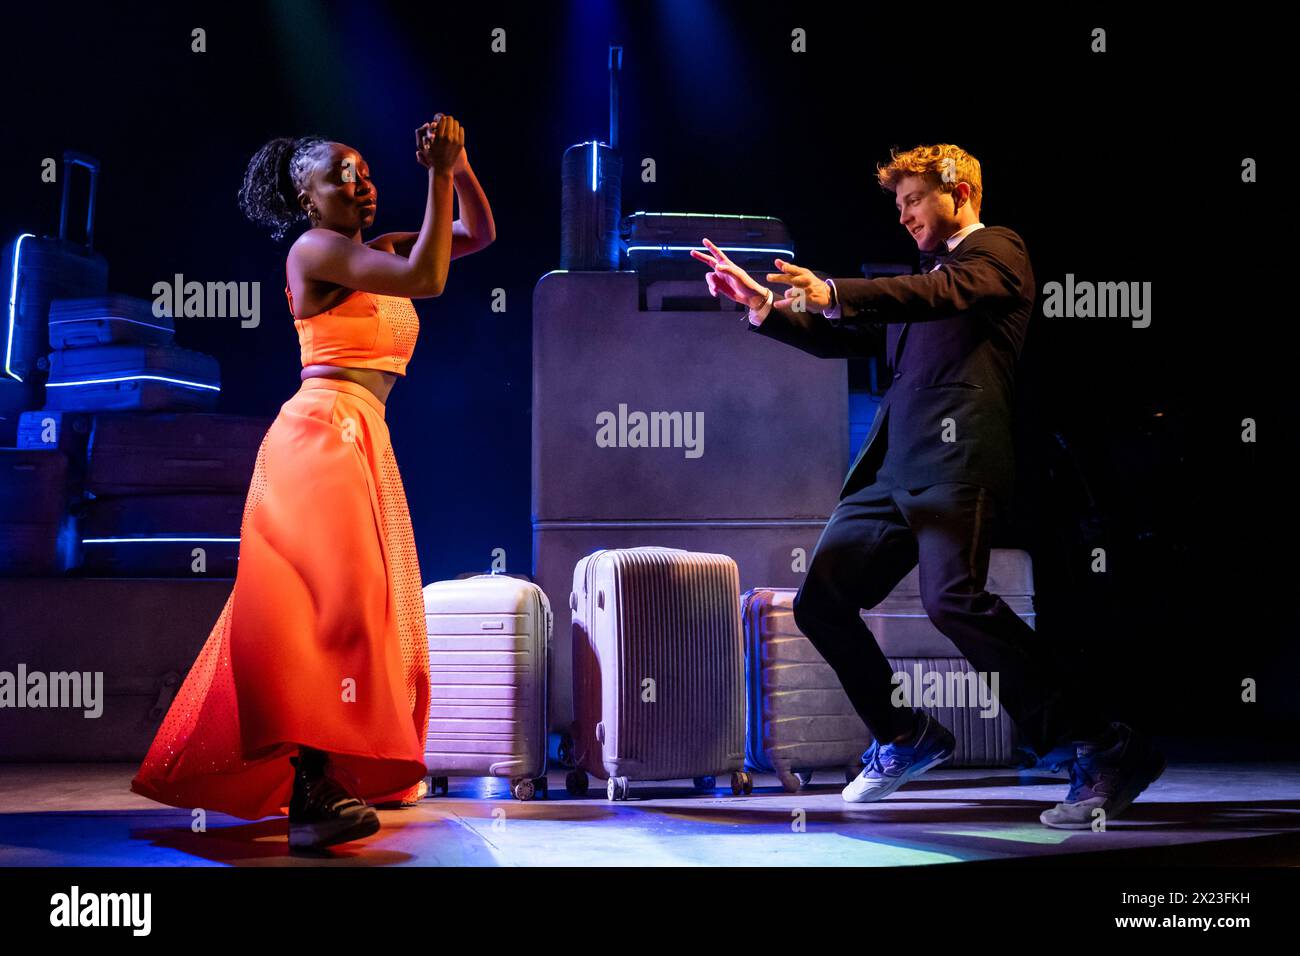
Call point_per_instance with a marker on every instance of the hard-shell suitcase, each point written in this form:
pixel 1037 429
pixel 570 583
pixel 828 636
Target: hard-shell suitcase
pixel 37 535
pixel 465 575
pixel 38 269
pixel 489 654
pixel 132 378
pixel 178 536
pixel 800 719
pixel 106 320
pixel 132 454
pixel 658 669
pixel 658 244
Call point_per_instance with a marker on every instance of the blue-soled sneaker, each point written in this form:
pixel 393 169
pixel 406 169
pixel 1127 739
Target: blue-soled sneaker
pixel 1106 776
pixel 889 766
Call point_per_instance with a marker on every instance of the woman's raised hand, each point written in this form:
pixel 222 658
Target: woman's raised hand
pixel 441 144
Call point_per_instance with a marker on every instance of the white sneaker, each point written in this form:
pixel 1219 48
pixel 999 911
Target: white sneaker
pixel 889 767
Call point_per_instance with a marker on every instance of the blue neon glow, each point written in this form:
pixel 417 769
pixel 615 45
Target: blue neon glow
pixel 147 540
pixel 703 215
pixel 594 156
pixel 788 252
pixel 135 378
pixel 13 305
pixel 115 318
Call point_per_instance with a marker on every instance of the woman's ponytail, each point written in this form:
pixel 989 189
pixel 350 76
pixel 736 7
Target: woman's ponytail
pixel 275 174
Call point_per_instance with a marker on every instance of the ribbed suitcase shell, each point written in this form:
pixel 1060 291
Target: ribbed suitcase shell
pixel 132 377
pixel 155 535
pixel 671 616
pixel 107 319
pixel 800 719
pixel 172 452
pixel 489 649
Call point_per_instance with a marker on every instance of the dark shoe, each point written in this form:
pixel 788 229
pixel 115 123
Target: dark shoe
pixel 1106 775
pixel 321 812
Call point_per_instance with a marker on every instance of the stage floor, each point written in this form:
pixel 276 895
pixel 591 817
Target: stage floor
pixel 1246 814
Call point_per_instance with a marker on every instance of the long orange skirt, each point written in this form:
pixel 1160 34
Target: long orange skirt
pixel 322 641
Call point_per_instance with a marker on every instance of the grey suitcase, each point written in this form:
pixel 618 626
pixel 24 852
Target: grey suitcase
pixel 489 653
pixel 141 378
pixel 107 319
pixel 658 244
pixel 658 669
pixel 800 719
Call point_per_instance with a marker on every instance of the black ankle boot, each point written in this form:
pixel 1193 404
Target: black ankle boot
pixel 321 812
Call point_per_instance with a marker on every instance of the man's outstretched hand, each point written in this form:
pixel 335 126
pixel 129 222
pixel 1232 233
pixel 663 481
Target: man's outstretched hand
pixel 816 294
pixel 729 279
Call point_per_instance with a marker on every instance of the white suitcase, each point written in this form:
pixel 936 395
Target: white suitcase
pixel 489 654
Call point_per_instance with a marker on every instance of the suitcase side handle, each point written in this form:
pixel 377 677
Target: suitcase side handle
pixel 72 158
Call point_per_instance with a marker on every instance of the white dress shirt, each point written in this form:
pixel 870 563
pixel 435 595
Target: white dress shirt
pixel 756 316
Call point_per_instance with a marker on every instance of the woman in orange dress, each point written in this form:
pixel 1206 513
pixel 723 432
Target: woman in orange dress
pixel 311 693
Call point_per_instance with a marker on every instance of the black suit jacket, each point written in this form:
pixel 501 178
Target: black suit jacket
pixel 952 340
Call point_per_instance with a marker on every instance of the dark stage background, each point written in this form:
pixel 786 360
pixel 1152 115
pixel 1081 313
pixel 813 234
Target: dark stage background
pixel 1116 167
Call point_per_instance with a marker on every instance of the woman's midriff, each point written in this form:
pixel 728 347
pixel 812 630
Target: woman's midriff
pixel 379 382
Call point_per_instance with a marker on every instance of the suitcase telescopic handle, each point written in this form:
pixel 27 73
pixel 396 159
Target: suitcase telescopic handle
pixel 72 158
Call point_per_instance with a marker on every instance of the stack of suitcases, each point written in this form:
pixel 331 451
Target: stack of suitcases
pixel 125 469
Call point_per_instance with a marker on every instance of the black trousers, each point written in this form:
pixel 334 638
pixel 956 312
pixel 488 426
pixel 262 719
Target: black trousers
pixel 873 539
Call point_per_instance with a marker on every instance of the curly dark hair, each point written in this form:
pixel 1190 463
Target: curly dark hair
pixel 275 174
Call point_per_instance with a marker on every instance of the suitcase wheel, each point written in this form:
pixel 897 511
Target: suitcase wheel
pixel 565 749
pixel 616 788
pixel 804 777
pixel 705 783
pixel 789 781
pixel 542 785
pixel 436 783
pixel 741 782
pixel 575 781
pixel 523 789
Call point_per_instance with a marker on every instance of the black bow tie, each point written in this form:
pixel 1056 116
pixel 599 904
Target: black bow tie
pixel 928 259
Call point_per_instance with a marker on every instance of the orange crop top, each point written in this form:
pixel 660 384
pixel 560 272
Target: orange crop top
pixel 365 330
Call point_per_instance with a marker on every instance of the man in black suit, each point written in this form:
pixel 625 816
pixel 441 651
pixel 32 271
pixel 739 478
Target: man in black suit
pixel 928 480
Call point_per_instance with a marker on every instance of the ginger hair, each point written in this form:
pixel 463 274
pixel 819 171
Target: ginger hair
pixel 943 164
